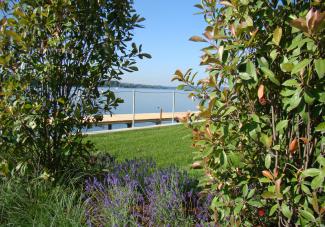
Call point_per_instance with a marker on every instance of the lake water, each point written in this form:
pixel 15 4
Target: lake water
pixel 149 101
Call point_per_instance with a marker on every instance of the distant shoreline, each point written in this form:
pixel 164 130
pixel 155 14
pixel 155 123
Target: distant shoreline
pixel 130 85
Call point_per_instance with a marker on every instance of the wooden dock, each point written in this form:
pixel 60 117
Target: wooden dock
pixel 130 119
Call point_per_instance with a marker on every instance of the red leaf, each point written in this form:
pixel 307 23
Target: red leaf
pixel 293 146
pixel 267 174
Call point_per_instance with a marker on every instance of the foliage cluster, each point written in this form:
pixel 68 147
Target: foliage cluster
pixel 262 140
pixel 136 193
pixel 54 56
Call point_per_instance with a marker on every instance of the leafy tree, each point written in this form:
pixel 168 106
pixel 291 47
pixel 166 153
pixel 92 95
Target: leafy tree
pixel 262 141
pixel 55 55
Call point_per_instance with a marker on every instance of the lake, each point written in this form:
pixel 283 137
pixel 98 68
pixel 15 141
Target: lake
pixel 149 101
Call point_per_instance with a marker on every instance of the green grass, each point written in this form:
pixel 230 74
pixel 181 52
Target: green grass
pixel 165 145
pixel 37 203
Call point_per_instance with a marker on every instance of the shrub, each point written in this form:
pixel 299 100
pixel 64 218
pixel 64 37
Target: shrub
pixel 262 140
pixel 136 193
pixel 54 57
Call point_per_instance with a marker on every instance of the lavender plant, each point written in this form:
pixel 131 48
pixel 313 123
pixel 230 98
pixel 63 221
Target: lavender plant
pixel 136 193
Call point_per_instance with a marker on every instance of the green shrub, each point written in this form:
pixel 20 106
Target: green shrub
pixel 262 141
pixel 54 56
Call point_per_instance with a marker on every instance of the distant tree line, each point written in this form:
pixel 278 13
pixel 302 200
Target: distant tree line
pixel 131 85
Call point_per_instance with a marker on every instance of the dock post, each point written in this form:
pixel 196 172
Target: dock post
pixel 109 126
pixel 160 116
pixel 173 114
pixel 133 109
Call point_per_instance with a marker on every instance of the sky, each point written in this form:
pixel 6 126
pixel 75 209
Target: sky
pixel 168 26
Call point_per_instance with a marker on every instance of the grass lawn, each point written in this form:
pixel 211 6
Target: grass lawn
pixel 165 145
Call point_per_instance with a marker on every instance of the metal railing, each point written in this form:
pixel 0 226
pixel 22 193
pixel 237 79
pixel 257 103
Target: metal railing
pixel 134 100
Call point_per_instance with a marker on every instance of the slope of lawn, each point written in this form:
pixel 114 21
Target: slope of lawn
pixel 165 145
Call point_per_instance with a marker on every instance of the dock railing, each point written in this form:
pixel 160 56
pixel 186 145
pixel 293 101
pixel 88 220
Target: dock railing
pixel 163 113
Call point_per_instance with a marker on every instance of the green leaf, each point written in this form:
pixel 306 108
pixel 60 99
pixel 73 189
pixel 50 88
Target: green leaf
pixel 281 125
pixel 307 215
pixel 180 87
pixel 245 76
pixel 297 199
pixel 207 152
pixel 273 54
pixel 277 35
pixel 276 147
pixel 142 55
pixel 294 102
pixel 308 97
pixel 134 68
pixel 312 172
pixel 215 203
pixel 223 159
pixel 238 208
pixel 245 190
pixel 305 189
pixel 286 211
pixel 2 61
pixel 229 110
pixel 273 209
pixel 14 35
pixel 249 21
pixel 301 65
pixel 269 195
pixel 321 97
pixel 255 203
pixel 244 2
pixel 317 182
pixel 61 100
pixel 28 106
pixel 320 67
pixel 291 83
pixel 287 92
pixel 266 140
pixel 286 190
pixel 199 6
pixel 320 127
pixel 269 74
pixel 286 67
pixel 321 160
pixel 264 180
pixel 251 193
pixel 251 70
pixel 268 161
pixel 295 42
pixel 263 62
pixel 235 159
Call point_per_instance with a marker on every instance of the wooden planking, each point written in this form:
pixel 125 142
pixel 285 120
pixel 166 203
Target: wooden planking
pixel 143 117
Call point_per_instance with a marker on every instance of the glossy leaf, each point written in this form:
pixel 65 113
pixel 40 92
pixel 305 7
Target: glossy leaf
pixel 320 127
pixel 270 75
pixel 320 67
pixel 307 215
pixel 286 211
pixel 266 140
pixel 312 172
pixel 268 161
pixel 301 65
pixel 282 125
pixel 277 35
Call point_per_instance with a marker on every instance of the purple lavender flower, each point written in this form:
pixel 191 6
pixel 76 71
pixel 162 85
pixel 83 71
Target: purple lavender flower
pixel 135 192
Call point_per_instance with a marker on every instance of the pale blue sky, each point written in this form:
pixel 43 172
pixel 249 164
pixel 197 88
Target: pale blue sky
pixel 168 26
